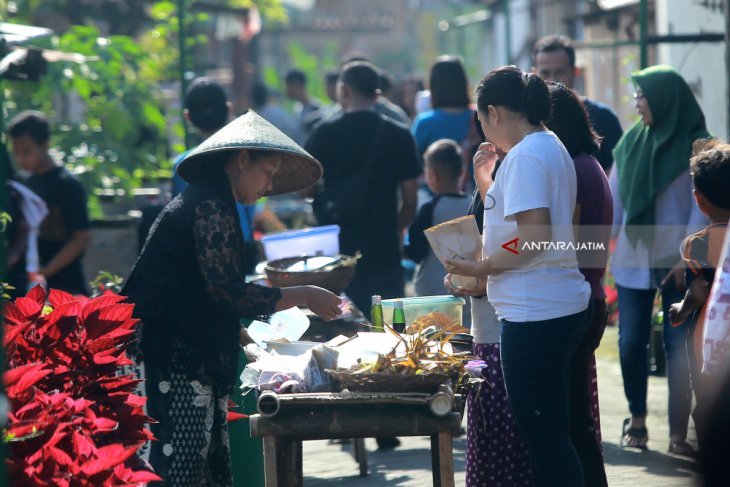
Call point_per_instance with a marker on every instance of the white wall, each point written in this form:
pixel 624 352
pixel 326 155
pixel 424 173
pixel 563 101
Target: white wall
pixel 701 64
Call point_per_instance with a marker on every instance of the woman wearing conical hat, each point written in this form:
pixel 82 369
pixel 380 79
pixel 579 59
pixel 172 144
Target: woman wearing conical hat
pixel 189 293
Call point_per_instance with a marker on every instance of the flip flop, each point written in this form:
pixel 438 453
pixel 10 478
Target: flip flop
pixel 633 437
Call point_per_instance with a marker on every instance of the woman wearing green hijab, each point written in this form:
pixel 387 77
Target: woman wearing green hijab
pixel 653 211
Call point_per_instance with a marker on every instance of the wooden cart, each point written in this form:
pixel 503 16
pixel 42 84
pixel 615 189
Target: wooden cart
pixel 286 420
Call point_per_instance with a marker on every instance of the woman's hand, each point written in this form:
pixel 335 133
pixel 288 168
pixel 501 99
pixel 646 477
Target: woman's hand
pixel 322 302
pixel 467 267
pixel 462 292
pixel 484 161
pixel 244 338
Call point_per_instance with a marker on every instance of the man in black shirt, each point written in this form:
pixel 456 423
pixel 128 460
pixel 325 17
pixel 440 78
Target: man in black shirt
pixel 360 139
pixel 64 234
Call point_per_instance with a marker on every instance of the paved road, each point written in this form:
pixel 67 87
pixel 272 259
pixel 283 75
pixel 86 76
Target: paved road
pixel 328 464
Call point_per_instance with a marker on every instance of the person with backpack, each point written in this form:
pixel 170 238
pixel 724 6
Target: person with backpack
pixel 368 161
pixel 443 171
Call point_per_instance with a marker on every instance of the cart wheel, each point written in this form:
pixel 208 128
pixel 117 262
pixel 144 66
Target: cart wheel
pixel 361 455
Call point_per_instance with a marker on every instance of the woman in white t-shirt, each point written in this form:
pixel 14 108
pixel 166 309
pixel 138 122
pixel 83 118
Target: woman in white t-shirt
pixel 533 281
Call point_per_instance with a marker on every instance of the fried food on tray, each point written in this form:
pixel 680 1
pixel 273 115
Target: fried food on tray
pixel 439 320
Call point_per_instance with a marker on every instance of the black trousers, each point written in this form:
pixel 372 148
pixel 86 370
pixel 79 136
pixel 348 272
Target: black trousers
pixel 539 361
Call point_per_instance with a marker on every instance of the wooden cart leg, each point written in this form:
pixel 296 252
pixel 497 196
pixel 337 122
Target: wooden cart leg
pixel 361 455
pixel 442 459
pixel 272 462
pixel 282 462
pixel 297 454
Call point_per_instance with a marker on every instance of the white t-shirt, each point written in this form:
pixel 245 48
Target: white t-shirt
pixel 536 173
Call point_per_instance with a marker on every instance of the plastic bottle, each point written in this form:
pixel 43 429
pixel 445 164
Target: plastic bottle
pixel 399 316
pixel 376 314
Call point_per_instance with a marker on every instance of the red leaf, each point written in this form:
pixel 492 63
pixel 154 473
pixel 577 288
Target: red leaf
pixel 26 308
pixel 135 400
pixel 104 425
pixel 108 457
pixel 12 332
pixel 138 476
pixel 14 315
pixel 100 302
pixel 58 298
pixel 60 456
pixel 234 416
pixel 67 312
pixel 20 379
pixel 37 294
pixel 83 444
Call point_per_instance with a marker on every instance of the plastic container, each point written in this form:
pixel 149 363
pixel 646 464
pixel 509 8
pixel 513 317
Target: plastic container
pixel 293 348
pixel 414 308
pixel 308 241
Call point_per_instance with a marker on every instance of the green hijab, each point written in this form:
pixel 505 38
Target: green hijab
pixel 649 158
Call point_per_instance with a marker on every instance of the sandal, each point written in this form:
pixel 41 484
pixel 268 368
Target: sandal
pixel 634 437
pixel 682 448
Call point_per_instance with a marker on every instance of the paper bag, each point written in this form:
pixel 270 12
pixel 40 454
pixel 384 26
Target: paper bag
pixel 456 239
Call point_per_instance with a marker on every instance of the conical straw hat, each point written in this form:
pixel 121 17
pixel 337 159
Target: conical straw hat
pixel 298 169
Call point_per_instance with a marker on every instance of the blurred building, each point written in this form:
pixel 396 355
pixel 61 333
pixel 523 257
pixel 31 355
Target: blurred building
pixel 689 35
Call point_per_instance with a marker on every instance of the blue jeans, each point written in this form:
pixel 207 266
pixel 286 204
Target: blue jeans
pixel 536 361
pixel 634 322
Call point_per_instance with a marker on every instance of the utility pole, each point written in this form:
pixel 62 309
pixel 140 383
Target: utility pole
pixel 182 41
pixel 727 64
pixel 644 33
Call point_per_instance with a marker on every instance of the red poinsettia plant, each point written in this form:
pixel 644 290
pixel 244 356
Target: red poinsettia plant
pixel 74 421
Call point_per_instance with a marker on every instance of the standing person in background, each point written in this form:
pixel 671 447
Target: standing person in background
pixel 363 143
pixel 361 137
pixel 27 211
pixel 451 116
pixel 308 111
pixel 540 296
pixel 410 88
pixel 382 105
pixel 330 86
pixel 554 58
pixel 593 216
pixel 443 172
pixel 64 234
pixel 653 211
pixel 265 103
pixel 208 109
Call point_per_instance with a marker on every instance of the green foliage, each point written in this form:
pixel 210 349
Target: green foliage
pixel 121 134
pixel 272 10
pixel 314 66
pixel 5 218
pixel 106 281
pixel 4 291
pixel 110 124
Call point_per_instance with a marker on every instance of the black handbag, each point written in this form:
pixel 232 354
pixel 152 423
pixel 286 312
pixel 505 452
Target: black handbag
pixel 345 201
